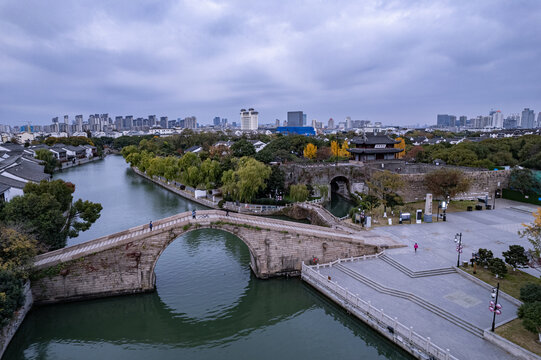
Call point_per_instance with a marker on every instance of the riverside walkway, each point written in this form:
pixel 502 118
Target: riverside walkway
pixel 424 290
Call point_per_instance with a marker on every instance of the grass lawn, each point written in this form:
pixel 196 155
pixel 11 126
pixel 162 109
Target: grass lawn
pixel 515 332
pixel 511 284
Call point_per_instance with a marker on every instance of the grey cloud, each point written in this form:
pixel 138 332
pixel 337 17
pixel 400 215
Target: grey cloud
pixel 395 62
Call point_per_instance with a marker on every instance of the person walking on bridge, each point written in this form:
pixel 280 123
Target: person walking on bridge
pixel 150 225
pixel 193 214
pixel 415 247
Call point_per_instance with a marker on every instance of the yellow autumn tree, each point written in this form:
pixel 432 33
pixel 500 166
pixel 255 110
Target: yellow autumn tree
pixel 335 148
pixel 402 146
pixel 532 232
pixel 344 149
pixel 310 151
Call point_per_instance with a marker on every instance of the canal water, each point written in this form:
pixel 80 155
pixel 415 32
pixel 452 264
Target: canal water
pixel 207 305
pixel 339 206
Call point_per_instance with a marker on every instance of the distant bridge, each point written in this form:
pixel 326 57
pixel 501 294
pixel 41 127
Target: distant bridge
pixel 123 263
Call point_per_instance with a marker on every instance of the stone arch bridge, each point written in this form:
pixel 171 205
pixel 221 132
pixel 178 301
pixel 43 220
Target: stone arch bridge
pixel 123 263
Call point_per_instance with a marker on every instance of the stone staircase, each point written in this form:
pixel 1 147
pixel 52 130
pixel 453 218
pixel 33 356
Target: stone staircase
pixel 416 274
pixel 413 298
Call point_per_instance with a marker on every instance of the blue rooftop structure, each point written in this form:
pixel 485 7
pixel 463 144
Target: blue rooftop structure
pixel 297 130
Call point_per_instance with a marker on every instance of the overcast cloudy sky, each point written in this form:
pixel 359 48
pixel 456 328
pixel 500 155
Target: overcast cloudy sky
pixel 397 62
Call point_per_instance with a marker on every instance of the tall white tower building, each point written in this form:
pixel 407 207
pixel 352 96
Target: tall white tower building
pixel 497 119
pixel 249 119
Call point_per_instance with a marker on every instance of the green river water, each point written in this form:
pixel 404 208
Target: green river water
pixel 208 304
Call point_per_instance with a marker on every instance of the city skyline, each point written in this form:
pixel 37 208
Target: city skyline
pixel 367 61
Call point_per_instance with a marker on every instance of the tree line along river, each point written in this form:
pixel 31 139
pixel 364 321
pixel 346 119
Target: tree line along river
pixel 208 304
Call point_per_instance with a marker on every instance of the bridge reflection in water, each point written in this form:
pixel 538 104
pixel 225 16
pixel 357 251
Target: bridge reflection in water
pixel 208 304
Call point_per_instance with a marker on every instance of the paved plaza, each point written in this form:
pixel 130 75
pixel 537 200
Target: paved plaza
pixel 455 296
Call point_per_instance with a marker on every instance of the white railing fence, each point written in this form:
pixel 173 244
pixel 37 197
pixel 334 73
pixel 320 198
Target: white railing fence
pixel 364 310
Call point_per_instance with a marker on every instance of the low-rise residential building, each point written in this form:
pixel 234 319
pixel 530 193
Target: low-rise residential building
pixel 258 145
pixel 194 149
pixel 59 152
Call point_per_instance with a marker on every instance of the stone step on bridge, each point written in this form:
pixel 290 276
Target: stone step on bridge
pixel 124 262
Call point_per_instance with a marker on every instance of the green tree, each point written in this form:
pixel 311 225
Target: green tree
pixel 515 256
pixel 248 178
pixel 299 192
pixel 48 159
pixel 323 191
pixel 275 183
pixel 17 250
pixel 47 211
pixel 211 173
pixel 524 180
pixel 485 256
pixel 385 185
pixel 243 148
pixel 447 182
pixel 497 267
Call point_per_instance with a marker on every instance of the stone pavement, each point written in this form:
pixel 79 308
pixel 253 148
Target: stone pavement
pixel 491 229
pixel 456 297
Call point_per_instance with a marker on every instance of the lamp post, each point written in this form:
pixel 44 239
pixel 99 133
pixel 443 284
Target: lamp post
pixel 458 241
pixel 494 307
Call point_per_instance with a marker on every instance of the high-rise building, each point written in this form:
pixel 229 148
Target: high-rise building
pixel 249 119
pixel 303 119
pixel 217 121
pixel 527 119
pixel 497 119
pixel 79 123
pixel 330 124
pixel 190 122
pixel 164 122
pixel 462 121
pixel 349 124
pixel 452 121
pixel 277 122
pixel 152 120
pixel 443 120
pixel 539 119
pixel 295 118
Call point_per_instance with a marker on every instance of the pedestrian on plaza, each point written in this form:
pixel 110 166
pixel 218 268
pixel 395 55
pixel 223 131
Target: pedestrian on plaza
pixel 415 247
pixel 193 214
pixel 226 212
pixel 362 219
pixel 150 225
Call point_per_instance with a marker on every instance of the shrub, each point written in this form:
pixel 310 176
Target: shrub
pixel 530 293
pixel 530 313
pixel 11 295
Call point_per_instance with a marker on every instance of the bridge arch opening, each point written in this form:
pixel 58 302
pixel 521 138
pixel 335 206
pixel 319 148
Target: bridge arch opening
pixel 219 264
pixel 340 185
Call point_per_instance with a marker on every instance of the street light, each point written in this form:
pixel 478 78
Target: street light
pixel 494 307
pixel 459 247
